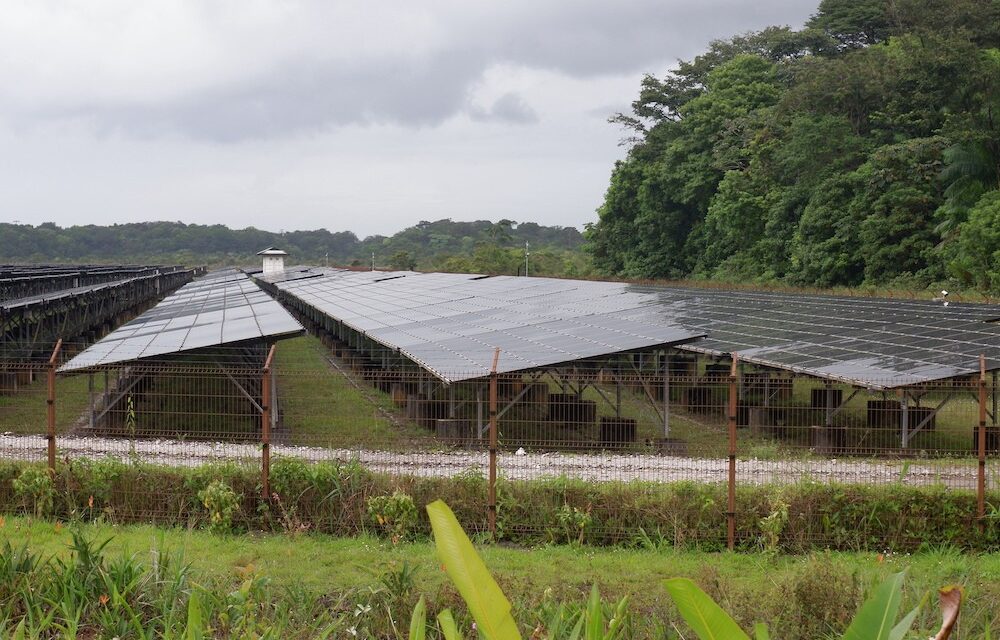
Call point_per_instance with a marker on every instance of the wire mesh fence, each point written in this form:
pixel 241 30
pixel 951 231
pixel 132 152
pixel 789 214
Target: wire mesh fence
pixel 608 448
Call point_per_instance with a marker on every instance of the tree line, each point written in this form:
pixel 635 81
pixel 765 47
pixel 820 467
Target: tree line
pixel 480 246
pixel 863 149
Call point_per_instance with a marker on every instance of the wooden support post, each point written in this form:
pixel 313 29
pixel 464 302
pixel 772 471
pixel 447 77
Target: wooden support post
pixel 492 498
pixel 265 425
pixel 51 408
pixel 731 509
pixel 981 446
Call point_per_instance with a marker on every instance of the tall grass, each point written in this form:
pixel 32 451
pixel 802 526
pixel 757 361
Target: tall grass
pixel 337 498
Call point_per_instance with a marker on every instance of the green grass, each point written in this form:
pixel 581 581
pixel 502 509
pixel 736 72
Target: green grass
pixel 25 410
pixel 321 406
pixel 800 596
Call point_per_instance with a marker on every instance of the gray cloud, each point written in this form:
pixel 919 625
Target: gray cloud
pixel 310 91
pixel 510 107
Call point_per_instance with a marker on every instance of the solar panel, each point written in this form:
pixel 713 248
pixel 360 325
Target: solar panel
pixel 880 343
pixel 450 323
pixel 224 307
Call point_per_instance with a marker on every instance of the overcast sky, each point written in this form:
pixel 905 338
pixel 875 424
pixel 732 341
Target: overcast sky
pixel 361 116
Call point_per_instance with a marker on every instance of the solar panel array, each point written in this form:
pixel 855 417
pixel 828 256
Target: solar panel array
pixel 224 307
pixel 879 343
pixel 24 281
pixel 450 323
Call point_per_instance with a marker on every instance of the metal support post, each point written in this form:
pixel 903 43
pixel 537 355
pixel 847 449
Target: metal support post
pixel 731 506
pixel 666 394
pixel 265 425
pixel 904 418
pixel 618 396
pixel 981 446
pixel 51 407
pixel 492 498
pixel 90 395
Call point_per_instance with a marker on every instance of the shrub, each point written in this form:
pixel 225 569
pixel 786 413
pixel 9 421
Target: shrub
pixel 222 503
pixel 394 514
pixel 37 489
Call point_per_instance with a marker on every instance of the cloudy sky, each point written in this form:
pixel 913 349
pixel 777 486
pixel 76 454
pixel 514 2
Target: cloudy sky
pixel 299 114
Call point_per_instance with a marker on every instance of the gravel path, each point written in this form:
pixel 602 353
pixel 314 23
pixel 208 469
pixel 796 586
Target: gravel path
pixel 588 466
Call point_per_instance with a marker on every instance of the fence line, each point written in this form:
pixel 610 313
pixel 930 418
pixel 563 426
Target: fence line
pixel 255 388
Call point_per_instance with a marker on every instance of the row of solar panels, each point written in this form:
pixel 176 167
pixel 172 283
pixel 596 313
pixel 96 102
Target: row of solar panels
pixel 18 282
pixel 450 324
pixel 224 307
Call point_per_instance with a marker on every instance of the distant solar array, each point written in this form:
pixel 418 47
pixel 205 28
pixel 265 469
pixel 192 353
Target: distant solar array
pixel 25 281
pixel 223 308
pixel 450 324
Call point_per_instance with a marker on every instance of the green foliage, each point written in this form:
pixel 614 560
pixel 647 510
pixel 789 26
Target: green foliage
pixel 849 153
pixel 487 603
pixel 479 246
pixel 36 487
pixel 222 503
pixel 394 514
pixel 573 523
pixel 875 621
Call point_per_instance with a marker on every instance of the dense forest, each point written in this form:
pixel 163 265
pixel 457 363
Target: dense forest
pixel 481 246
pixel 860 150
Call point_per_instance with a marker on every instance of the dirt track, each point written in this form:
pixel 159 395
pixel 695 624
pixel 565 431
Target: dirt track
pixel 589 466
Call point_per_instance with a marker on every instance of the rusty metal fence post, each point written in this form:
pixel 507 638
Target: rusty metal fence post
pixel 981 445
pixel 492 489
pixel 51 408
pixel 265 425
pixel 731 505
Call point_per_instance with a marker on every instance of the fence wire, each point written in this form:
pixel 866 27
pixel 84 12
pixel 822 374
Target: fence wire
pixel 612 448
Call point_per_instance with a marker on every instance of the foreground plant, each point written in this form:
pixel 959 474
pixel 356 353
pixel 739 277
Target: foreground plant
pixel 490 608
pixel 487 603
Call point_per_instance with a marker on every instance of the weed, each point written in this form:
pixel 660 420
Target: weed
pixel 222 503
pixel 36 487
pixel 573 523
pixel 395 514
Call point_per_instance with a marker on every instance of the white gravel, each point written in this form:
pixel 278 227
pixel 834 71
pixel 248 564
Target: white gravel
pixel 588 466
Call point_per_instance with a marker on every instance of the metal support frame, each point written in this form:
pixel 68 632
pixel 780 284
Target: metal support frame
pixel 120 394
pixel 246 394
pixel 521 394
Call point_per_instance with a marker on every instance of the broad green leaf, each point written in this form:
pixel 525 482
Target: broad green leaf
pixel 487 603
pixel 195 624
pixel 760 632
pixel 595 616
pixel 903 627
pixel 577 628
pixel 418 621
pixel 877 616
pixel 700 612
pixel 448 627
pixel 19 631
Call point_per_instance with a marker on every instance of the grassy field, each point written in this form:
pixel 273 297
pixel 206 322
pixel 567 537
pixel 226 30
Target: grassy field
pixel 323 406
pixel 25 410
pixel 800 596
